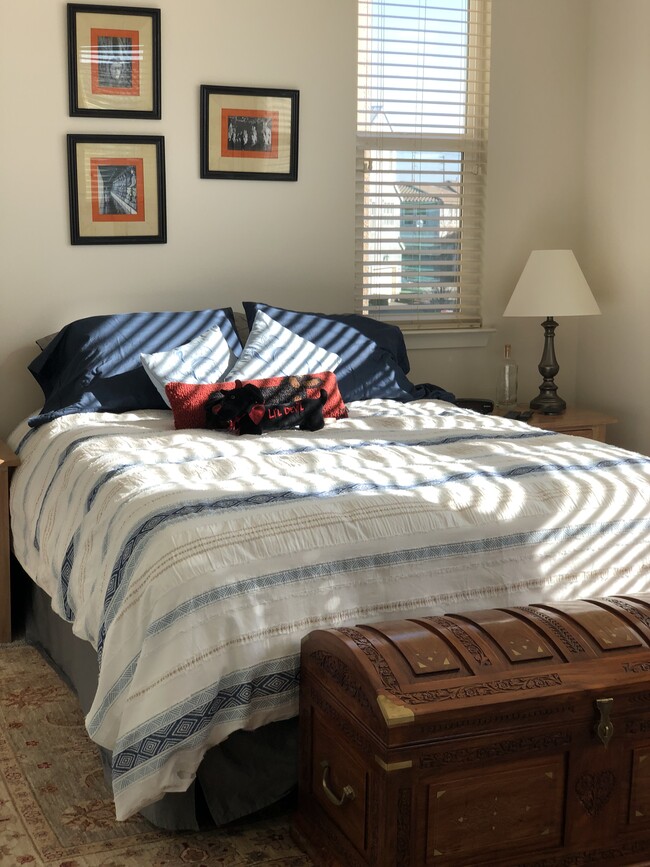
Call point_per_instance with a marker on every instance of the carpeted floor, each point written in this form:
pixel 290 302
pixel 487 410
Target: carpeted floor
pixel 55 808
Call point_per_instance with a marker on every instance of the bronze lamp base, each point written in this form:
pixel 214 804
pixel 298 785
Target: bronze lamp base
pixel 548 401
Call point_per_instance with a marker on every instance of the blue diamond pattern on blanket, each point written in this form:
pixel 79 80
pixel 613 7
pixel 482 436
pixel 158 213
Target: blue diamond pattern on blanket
pixel 170 736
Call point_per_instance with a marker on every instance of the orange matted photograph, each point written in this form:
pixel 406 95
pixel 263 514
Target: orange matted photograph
pixel 113 61
pixel 117 189
pixel 249 133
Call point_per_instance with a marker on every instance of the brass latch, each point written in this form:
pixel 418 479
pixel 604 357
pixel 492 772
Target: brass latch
pixel 604 728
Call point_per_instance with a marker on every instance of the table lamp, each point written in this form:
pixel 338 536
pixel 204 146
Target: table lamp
pixel 551 282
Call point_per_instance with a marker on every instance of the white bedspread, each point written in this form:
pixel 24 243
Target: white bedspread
pixel 195 561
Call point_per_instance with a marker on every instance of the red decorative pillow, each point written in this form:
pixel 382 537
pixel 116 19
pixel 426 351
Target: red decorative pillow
pixel 188 399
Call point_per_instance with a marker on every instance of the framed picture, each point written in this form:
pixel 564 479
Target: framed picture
pixel 249 133
pixel 117 189
pixel 113 61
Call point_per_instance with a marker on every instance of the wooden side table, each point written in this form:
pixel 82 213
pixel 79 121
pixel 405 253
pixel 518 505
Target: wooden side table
pixel 8 460
pixel 580 422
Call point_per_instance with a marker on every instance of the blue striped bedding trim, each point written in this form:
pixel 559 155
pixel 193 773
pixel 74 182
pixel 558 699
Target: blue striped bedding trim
pixel 64 581
pixel 63 457
pixel 112 695
pixel 145 749
pixel 23 441
pixel 318 571
pixel 333 449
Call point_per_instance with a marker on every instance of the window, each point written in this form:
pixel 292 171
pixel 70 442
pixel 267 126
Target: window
pixel 421 160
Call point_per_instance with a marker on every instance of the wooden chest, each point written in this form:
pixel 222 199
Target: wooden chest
pixel 515 736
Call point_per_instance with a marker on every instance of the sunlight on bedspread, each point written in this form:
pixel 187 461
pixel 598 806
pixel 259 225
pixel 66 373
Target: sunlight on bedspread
pixel 195 561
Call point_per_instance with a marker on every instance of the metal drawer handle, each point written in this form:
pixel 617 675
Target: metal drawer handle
pixel 348 791
pixel 605 727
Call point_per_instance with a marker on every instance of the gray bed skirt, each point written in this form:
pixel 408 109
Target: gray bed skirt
pixel 247 773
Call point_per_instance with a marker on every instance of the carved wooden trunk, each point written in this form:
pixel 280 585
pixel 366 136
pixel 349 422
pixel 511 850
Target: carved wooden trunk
pixel 502 737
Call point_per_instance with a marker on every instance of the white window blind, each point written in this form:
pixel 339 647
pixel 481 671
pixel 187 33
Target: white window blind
pixel 421 160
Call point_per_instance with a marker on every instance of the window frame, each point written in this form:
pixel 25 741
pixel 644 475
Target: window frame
pixel 457 293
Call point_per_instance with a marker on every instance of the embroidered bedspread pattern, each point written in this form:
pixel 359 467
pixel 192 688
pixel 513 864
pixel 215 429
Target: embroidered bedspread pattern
pixel 196 561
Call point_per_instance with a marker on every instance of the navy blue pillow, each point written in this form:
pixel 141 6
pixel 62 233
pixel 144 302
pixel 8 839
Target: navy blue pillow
pixel 371 366
pixel 385 335
pixel 93 364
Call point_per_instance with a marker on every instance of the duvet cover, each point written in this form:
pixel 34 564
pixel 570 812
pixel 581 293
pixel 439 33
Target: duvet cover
pixel 195 561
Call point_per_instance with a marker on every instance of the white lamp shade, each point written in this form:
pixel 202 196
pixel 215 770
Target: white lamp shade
pixel 551 285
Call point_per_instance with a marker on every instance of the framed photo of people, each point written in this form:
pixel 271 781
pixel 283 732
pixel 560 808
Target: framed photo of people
pixel 249 133
pixel 113 61
pixel 117 189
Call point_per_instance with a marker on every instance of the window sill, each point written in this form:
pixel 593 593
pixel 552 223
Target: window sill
pixel 454 338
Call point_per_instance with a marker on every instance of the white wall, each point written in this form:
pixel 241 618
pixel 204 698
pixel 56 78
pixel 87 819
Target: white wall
pixel 535 187
pixel 292 243
pixel 614 361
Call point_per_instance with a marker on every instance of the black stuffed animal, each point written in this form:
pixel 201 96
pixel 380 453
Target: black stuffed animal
pixel 242 410
pixel 224 410
pixel 305 414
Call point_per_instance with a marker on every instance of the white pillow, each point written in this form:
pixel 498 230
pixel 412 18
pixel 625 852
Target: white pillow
pixel 205 359
pixel 273 350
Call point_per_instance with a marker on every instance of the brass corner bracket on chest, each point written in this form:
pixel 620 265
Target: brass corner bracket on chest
pixel 393 712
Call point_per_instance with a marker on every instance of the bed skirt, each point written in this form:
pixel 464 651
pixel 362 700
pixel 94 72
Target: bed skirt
pixel 247 773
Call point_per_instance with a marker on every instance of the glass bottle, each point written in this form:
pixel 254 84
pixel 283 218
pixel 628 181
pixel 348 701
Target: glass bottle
pixel 507 382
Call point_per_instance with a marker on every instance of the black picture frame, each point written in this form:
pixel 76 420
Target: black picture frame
pixel 249 133
pixel 117 189
pixel 113 61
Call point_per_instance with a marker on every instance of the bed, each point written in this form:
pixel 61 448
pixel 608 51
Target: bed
pixel 177 568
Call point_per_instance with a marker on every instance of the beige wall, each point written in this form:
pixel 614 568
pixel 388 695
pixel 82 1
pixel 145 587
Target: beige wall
pixel 292 243
pixel 614 361
pixel 534 187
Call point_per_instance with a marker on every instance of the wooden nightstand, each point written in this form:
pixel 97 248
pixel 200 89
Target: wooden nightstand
pixel 8 460
pixel 579 422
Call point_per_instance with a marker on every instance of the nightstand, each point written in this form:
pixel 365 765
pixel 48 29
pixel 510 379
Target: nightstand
pixel 8 460
pixel 579 422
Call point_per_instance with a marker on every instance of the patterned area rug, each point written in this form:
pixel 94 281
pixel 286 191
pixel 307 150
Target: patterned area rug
pixel 55 808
